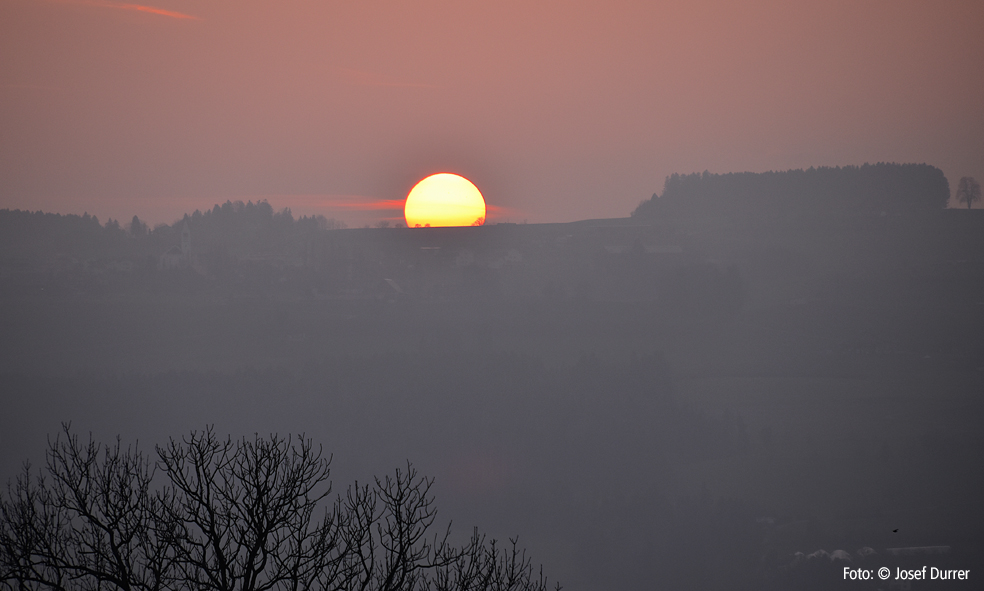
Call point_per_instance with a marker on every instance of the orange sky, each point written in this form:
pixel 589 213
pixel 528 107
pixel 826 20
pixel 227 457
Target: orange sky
pixel 557 110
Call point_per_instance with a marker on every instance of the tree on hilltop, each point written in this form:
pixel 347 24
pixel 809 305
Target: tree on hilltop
pixel 137 228
pixel 968 191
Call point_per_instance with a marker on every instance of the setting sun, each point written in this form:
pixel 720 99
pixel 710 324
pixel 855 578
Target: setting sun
pixel 444 199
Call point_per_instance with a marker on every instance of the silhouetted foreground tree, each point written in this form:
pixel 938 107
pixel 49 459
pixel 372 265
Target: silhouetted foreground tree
pixel 968 191
pixel 233 515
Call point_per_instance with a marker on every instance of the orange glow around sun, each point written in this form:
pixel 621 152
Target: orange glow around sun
pixel 444 199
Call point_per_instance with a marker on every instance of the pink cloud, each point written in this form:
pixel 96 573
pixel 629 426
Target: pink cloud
pixel 501 212
pixel 29 87
pixel 376 205
pixel 331 201
pixel 136 7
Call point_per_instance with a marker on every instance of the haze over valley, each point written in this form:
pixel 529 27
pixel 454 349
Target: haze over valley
pixel 701 389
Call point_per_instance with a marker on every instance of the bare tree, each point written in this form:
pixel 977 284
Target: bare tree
pixel 90 524
pixel 242 516
pixel 482 567
pixel 232 515
pixel 31 537
pixel 392 550
pixel 968 191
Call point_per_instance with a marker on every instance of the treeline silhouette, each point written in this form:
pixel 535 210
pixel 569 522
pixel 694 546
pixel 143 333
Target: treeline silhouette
pixel 233 515
pixel 29 234
pixel 233 228
pixel 878 189
pixel 251 228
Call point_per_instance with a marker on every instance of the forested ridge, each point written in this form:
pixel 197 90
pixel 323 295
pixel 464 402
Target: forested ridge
pixel 880 189
pixel 234 228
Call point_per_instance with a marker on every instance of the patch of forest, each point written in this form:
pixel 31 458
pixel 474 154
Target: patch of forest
pixel 869 189
pixel 233 228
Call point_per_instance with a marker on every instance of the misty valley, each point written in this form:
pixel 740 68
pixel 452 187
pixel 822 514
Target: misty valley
pixel 752 382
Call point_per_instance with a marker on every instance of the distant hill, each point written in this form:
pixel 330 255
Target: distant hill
pixel 877 189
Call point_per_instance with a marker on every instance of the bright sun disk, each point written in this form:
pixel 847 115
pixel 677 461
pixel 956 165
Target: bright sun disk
pixel 444 199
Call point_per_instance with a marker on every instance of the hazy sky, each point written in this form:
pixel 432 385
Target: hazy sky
pixel 557 110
